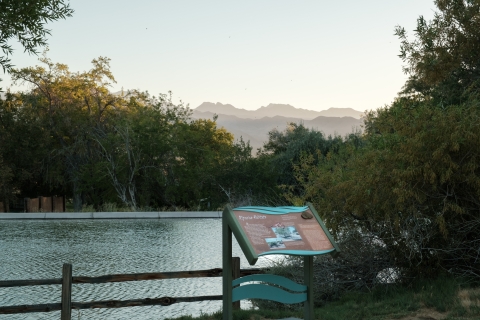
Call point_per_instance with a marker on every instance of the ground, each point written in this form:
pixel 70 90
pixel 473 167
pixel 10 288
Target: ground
pixel 424 314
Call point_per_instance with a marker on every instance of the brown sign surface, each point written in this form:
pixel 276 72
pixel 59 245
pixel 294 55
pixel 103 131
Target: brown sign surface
pixel 282 232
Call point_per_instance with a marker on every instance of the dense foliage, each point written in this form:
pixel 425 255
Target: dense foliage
pixel 25 21
pixel 412 181
pixel 70 135
pixel 443 60
pixel 286 147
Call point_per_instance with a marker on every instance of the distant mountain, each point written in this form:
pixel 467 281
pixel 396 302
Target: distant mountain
pixel 272 110
pixel 342 112
pixel 256 130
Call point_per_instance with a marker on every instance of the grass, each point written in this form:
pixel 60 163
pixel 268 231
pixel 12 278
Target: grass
pixel 444 298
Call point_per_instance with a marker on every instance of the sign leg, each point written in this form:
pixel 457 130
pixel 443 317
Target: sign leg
pixel 227 269
pixel 236 275
pixel 308 280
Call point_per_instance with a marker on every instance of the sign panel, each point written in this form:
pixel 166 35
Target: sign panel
pixel 277 233
pixel 279 230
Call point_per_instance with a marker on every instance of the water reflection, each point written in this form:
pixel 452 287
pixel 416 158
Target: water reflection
pixel 37 249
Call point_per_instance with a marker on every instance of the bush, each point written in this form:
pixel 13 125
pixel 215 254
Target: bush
pixel 363 264
pixel 414 186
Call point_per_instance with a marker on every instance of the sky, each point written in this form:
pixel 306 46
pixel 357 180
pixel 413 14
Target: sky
pixel 310 54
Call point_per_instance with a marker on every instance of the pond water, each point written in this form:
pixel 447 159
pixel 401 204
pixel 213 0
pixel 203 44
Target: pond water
pixel 37 249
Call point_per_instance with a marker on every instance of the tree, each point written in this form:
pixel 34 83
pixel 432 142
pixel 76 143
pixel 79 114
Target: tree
pixel 71 105
pixel 246 180
pixel 443 60
pixel 25 20
pixel 24 147
pixel 202 151
pixel 414 186
pixel 6 176
pixel 138 151
pixel 286 148
pixel 69 134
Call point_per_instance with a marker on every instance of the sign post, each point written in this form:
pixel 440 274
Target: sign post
pixel 273 230
pixel 227 269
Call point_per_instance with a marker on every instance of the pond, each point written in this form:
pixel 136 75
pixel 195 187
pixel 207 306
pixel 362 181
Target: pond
pixel 37 249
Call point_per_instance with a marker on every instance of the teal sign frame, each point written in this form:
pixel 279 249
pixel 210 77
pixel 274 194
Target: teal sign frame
pixel 243 288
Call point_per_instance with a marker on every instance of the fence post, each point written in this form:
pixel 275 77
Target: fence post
pixel 66 313
pixel 235 275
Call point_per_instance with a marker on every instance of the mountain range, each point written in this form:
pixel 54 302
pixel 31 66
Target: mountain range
pixel 254 125
pixel 275 109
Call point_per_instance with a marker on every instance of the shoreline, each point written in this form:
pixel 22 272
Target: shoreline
pixel 108 215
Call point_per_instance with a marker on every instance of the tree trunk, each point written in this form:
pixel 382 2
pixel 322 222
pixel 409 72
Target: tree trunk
pixel 77 198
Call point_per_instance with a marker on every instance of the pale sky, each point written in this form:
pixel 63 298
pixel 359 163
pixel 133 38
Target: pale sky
pixel 309 54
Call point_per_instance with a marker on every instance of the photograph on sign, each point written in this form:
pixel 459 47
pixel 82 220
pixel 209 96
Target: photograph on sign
pixel 275 243
pixel 286 233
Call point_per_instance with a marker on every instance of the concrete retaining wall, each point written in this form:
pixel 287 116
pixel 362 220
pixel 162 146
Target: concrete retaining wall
pixel 109 215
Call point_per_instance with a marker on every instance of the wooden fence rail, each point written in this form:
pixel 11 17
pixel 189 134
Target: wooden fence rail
pixel 67 280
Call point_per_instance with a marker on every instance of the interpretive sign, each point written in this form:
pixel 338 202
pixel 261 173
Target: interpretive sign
pixel 279 230
pixel 273 230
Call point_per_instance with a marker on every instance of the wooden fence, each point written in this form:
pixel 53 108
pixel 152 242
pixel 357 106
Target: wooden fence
pixel 66 305
pixel 44 204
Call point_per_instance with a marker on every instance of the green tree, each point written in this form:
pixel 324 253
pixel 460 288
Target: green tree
pixel 443 59
pixel 25 21
pixel 71 106
pixel 414 186
pixel 70 135
pixel 202 151
pixel 6 176
pixel 287 147
pixel 315 173
pixel 248 180
pixel 24 146
pixel 138 151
